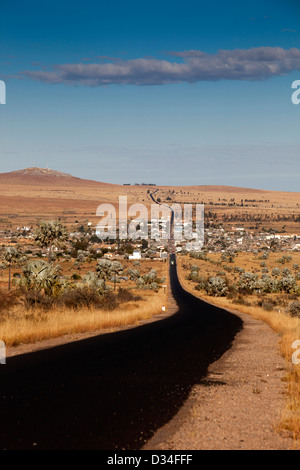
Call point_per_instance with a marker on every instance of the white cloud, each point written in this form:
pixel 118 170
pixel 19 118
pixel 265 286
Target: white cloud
pixel 239 64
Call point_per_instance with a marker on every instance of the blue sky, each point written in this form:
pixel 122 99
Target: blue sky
pixel 169 92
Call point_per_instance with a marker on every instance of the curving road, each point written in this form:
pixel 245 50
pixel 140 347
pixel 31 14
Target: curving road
pixel 113 391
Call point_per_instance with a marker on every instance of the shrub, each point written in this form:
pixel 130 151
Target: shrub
pixel 133 274
pixel 284 259
pixel 125 295
pixel 201 283
pixel 294 309
pixel 286 272
pixel 198 255
pixel 239 270
pixel 240 300
pixel 247 283
pixel 228 257
pixel 266 305
pixel 195 268
pixel 216 286
pixel 193 276
pixel 33 298
pixel 276 272
pixel 80 297
pixel 8 300
pixel 150 281
pixel 288 284
pixel 109 301
pixel 76 277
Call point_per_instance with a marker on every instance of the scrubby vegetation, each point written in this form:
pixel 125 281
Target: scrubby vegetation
pixel 67 285
pixel 273 297
pixel 237 283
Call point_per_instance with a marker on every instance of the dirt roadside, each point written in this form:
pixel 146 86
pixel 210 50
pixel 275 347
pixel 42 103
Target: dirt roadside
pixel 240 403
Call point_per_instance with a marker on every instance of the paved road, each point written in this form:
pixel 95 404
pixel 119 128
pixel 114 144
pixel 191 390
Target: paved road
pixel 112 391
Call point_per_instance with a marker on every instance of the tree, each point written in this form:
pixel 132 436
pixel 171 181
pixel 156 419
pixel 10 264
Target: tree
pixel 133 274
pixel 40 276
pixel 103 269
pixel 107 269
pixel 92 282
pixel 12 256
pixel 49 234
pixel 116 269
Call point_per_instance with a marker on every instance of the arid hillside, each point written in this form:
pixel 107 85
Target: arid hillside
pixel 29 195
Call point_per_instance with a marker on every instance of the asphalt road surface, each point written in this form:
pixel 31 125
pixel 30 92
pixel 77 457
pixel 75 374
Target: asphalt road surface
pixel 113 391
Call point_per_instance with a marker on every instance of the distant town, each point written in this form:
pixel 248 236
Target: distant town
pixel 216 239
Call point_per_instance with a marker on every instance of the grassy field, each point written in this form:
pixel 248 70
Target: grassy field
pixel 286 326
pixel 20 325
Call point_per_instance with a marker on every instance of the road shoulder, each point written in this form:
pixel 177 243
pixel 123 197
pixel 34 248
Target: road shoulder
pixel 239 404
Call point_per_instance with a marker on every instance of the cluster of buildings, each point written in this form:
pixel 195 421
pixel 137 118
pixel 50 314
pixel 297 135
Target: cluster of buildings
pixel 158 242
pixel 238 238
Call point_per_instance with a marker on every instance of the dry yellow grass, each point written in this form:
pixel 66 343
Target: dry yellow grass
pixel 287 327
pixel 32 325
pixel 35 325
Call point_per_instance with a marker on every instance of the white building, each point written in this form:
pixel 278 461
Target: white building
pixel 135 255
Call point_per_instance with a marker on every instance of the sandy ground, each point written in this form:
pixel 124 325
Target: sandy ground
pixel 238 406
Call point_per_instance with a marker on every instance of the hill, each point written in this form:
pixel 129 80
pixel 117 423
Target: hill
pixel 32 194
pixel 45 176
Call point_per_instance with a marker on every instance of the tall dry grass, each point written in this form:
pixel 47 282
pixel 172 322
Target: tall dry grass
pixel 35 324
pixel 20 325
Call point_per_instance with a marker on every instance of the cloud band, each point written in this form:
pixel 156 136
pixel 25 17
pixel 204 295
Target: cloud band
pixel 240 64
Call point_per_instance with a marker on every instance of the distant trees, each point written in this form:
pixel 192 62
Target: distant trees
pixel 248 283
